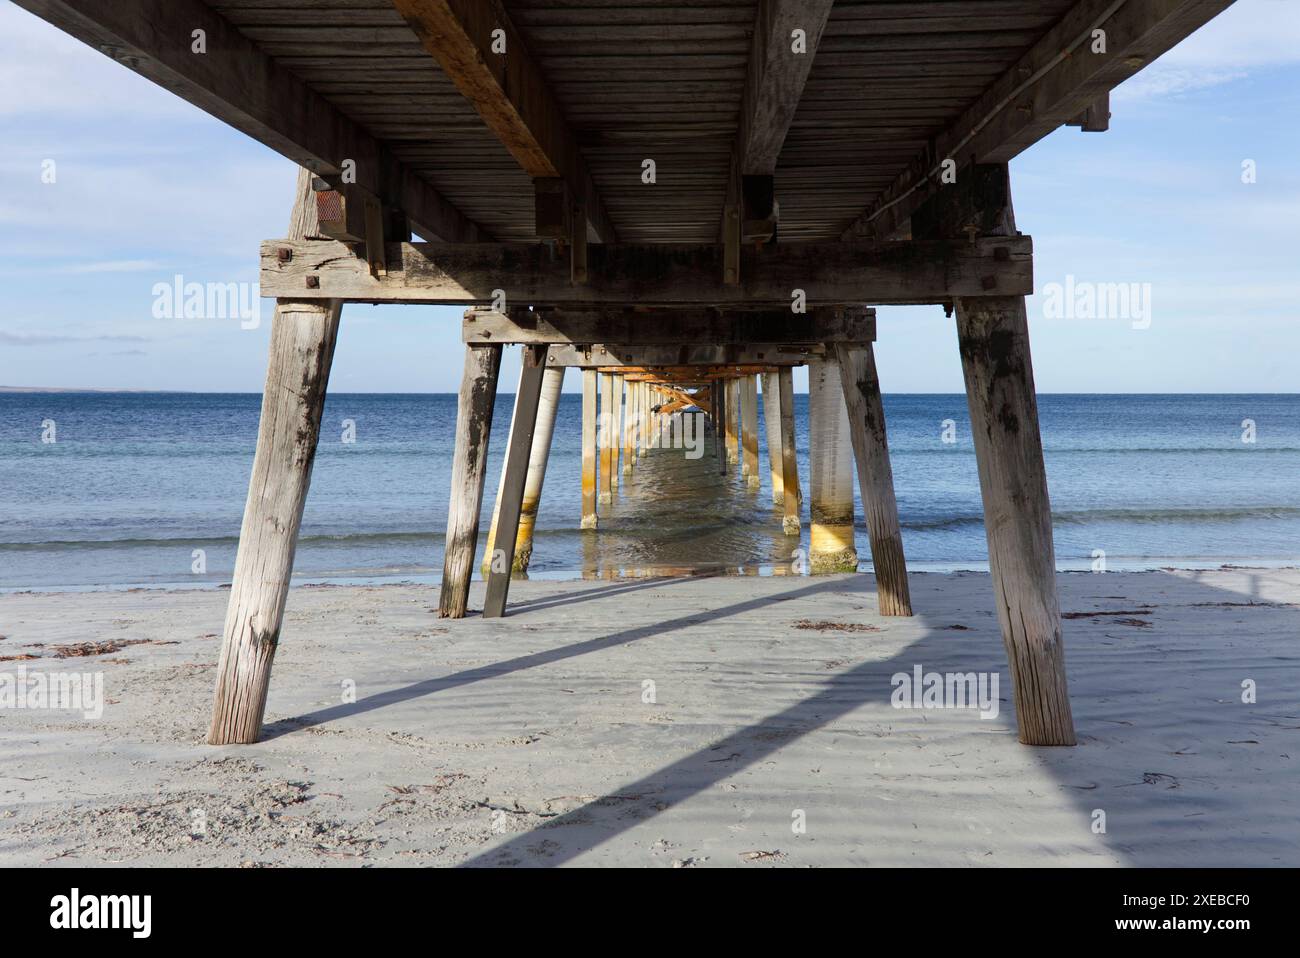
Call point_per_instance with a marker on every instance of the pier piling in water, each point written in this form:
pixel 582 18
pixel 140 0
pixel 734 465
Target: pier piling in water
pixel 772 435
pixel 749 429
pixel 548 406
pixel 831 542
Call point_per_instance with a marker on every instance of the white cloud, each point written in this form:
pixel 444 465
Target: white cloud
pixel 1161 80
pixel 112 266
pixel 45 71
pixel 1250 35
pixel 47 339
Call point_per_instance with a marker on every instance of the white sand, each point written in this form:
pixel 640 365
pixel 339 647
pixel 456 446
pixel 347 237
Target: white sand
pixel 526 741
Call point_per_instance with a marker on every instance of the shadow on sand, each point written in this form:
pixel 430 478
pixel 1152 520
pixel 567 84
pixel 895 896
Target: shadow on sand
pixel 1163 729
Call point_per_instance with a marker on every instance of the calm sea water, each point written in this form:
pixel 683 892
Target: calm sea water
pixel 135 483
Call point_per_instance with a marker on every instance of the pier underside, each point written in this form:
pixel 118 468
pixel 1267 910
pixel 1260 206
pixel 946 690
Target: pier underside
pixel 677 200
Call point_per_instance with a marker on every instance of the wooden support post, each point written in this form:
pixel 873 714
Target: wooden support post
pixel 537 460
pixel 994 338
pixel 605 438
pixel 616 432
pixel 866 412
pixel 590 429
pixel 772 433
pixel 629 433
pixel 302 348
pixel 645 417
pixel 732 389
pixel 749 430
pixel 830 456
pixel 629 426
pixel 477 400
pixel 516 468
pixel 720 425
pixel 548 408
pixel 640 419
pixel 789 455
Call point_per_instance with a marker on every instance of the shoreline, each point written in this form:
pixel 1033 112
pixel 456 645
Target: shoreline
pixel 532 740
pixel 433 579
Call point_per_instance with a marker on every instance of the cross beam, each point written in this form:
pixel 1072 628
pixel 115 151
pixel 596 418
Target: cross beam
pixel 604 356
pixel 507 88
pixel 784 41
pixel 678 329
pixel 654 274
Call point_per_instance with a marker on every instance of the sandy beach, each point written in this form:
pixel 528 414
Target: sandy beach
pixel 536 740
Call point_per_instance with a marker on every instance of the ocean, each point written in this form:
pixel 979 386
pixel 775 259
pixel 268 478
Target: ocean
pixel 147 489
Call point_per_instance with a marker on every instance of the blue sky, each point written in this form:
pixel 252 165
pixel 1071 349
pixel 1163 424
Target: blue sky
pixel 148 187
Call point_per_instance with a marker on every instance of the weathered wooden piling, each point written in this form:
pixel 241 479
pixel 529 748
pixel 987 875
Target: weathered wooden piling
pixel 616 419
pixel 548 405
pixel 475 405
pixel 830 457
pixel 589 455
pixel 605 438
pixel 793 494
pixel 732 388
pixel 857 367
pixel 515 470
pixel 772 435
pixel 302 349
pixel 629 427
pixel 721 425
pixel 749 430
pixel 994 338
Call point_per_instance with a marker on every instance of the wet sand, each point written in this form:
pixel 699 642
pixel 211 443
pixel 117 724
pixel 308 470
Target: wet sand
pixel 535 740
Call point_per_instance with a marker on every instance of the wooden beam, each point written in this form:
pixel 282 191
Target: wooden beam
pixel 778 69
pixel 684 330
pixel 1096 117
pixel 601 356
pixel 782 47
pixel 506 85
pixel 655 275
pixel 690 374
pixel 522 428
pixel 1059 78
pixel 239 84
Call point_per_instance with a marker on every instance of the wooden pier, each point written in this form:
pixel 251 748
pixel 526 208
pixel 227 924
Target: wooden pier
pixel 680 201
